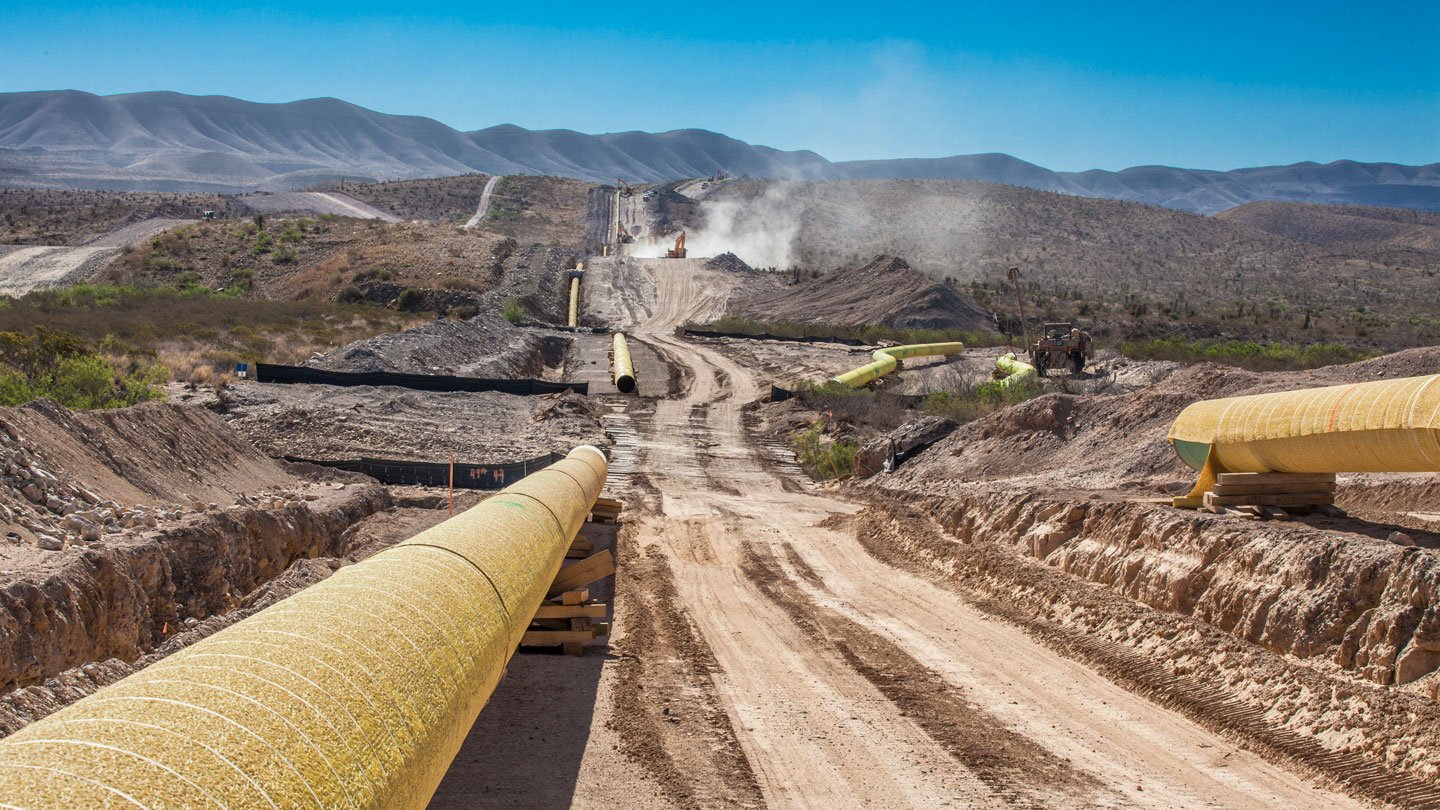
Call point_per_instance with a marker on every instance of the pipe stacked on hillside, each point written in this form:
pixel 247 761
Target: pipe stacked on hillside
pixel 1016 371
pixel 621 367
pixel 574 317
pixel 888 359
pixel 1383 426
pixel 356 692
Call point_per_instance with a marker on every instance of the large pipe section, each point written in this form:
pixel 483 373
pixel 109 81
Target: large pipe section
pixel 1016 372
pixel 574 317
pixel 888 359
pixel 355 692
pixel 620 366
pixel 1383 426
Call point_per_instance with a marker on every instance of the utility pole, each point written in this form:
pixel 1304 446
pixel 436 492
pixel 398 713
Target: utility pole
pixel 1014 275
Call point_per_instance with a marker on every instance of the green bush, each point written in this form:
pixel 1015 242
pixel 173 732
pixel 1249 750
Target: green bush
pixel 514 311
pixel 64 368
pixel 968 405
pixel 410 300
pixel 350 295
pixel 1253 355
pixel 822 457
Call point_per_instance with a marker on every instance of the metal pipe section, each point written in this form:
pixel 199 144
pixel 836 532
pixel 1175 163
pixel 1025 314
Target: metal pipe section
pixel 1382 426
pixel 621 367
pixel 888 359
pixel 1016 371
pixel 355 692
pixel 574 317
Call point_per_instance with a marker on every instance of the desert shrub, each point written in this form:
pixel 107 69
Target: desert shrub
pixel 350 295
pixel 514 311
pixel 410 300
pixel 1253 355
pixel 464 312
pixel 969 404
pixel 457 283
pixel 65 368
pixel 821 456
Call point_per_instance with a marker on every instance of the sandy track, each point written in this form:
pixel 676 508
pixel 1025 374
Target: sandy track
pixel 814 640
pixel 484 207
pixel 23 269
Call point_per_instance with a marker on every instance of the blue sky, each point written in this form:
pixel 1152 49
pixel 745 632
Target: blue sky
pixel 1068 86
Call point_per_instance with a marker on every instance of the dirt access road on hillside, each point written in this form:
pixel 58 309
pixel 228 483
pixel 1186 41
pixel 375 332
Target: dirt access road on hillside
pixel 484 207
pixel 26 268
pixel 843 681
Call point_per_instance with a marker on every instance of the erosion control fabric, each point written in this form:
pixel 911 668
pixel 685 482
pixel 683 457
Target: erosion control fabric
pixel 270 373
pixel 1384 426
pixel 432 474
pixel 355 692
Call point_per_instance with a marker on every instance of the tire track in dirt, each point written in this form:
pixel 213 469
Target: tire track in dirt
pixel 1019 771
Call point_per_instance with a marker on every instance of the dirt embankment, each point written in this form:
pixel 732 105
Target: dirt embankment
pixel 883 292
pixel 123 526
pixel 484 346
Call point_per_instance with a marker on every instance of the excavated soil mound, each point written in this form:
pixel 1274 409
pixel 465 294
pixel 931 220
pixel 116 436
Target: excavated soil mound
pixel 885 292
pixel 483 346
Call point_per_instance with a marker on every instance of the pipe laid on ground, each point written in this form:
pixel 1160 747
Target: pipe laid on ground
pixel 1017 372
pixel 574 318
pixel 621 367
pixel 355 692
pixel 888 359
pixel 1382 426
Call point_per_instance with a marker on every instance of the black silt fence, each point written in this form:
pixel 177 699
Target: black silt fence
pixel 424 473
pixel 271 373
pixel 768 336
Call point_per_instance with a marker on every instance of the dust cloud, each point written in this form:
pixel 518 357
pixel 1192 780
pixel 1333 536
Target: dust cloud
pixel 762 230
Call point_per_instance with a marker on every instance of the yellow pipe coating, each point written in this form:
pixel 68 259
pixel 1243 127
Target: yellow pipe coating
pixel 355 692
pixel 1383 426
pixel 621 367
pixel 887 360
pixel 1016 371
pixel 574 319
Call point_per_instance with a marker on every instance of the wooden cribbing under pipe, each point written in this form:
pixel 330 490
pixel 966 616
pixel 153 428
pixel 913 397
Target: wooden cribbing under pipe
pixel 355 692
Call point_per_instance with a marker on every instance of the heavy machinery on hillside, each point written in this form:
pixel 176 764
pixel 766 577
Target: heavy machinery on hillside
pixel 625 190
pixel 677 252
pixel 623 235
pixel 1061 345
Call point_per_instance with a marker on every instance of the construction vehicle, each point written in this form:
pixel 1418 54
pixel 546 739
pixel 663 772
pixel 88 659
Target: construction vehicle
pixel 623 235
pixel 677 252
pixel 625 190
pixel 1061 345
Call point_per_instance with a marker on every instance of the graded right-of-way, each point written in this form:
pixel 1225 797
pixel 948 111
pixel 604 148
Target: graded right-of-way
pixel 847 681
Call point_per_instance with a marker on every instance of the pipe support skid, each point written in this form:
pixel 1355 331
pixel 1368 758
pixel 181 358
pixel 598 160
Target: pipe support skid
pixel 1017 372
pixel 355 692
pixel 1382 426
pixel 888 359
pixel 574 316
pixel 621 368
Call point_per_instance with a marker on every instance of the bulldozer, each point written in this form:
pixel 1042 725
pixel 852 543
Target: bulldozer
pixel 677 252
pixel 1061 345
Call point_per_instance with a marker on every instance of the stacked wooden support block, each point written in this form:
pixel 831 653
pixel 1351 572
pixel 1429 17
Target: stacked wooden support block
pixel 568 618
pixel 1273 496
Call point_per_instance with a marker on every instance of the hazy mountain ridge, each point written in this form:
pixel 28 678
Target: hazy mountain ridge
pixel 171 141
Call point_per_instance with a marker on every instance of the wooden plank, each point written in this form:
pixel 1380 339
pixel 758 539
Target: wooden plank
pixel 583 544
pixel 1212 499
pixel 1275 478
pixel 1266 489
pixel 609 503
pixel 1274 513
pixel 592 611
pixel 543 638
pixel 580 574
pixel 574 597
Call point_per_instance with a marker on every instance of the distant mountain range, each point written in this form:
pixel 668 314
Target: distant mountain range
pixel 174 142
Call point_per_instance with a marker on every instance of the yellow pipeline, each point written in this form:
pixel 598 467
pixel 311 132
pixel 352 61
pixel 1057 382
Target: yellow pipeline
pixel 1383 426
pixel 621 367
pixel 574 319
pixel 888 359
pixel 1016 371
pixel 355 692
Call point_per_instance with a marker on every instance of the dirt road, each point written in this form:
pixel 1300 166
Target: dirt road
pixel 484 207
pixel 30 268
pixel 843 680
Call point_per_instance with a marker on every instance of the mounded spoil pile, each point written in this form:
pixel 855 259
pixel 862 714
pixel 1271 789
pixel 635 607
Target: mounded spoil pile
pixel 326 423
pixel 728 262
pixel 884 292
pixel 483 346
